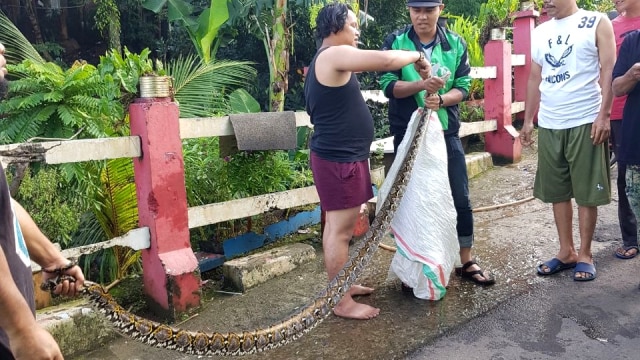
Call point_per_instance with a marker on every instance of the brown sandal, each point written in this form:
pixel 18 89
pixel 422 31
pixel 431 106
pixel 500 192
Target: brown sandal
pixel 470 275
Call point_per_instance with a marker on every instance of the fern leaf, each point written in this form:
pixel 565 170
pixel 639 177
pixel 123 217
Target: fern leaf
pixel 69 116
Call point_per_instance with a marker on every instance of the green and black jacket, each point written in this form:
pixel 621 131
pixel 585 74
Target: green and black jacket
pixel 450 50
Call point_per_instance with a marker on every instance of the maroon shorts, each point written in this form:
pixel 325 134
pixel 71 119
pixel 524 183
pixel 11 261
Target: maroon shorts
pixel 341 185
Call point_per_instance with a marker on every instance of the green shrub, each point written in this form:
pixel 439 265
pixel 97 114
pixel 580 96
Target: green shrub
pixel 205 178
pixel 468 8
pixel 380 113
pixel 471 113
pixel 252 173
pixel 42 194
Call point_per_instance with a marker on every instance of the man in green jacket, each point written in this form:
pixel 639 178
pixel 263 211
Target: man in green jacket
pixel 406 90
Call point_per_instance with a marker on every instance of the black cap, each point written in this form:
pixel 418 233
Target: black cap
pixel 422 3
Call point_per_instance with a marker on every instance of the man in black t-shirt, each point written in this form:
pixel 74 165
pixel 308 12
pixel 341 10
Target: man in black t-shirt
pixel 21 241
pixel 626 76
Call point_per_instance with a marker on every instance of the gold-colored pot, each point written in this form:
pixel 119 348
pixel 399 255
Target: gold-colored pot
pixel 155 86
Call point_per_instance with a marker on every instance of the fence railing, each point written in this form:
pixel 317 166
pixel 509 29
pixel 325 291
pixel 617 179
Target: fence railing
pixel 168 260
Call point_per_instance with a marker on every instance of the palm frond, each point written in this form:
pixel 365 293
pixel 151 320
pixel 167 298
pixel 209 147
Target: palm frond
pixel 18 48
pixel 120 213
pixel 227 73
pixel 200 87
pixel 89 232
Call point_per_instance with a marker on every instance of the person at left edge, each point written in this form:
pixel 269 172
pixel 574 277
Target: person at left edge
pixel 21 241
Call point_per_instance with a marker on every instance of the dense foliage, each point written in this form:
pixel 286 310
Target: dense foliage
pixel 51 205
pixel 466 8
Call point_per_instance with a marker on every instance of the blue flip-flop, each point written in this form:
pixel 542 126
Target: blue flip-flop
pixel 624 249
pixel 555 266
pixel 585 268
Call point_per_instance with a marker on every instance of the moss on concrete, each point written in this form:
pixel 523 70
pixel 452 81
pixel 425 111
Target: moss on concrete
pixel 82 333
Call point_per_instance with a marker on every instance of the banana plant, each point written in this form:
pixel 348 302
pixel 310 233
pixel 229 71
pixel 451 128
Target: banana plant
pixel 202 30
pixel 269 20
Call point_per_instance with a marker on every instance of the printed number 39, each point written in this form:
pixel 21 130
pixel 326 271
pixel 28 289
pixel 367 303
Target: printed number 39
pixel 587 22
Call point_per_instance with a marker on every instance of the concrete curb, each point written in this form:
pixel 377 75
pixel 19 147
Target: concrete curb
pixel 477 163
pixel 249 271
pixel 76 326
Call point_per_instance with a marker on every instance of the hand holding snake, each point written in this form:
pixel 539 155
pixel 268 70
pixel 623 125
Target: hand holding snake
pixel 66 280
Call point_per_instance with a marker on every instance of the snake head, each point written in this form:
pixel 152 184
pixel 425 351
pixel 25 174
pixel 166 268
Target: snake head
pixel 50 284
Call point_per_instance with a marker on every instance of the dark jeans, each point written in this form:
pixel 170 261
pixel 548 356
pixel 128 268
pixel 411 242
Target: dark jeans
pixel 459 182
pixel 626 218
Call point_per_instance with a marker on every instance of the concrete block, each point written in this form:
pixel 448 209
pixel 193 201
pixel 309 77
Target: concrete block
pixel 76 327
pixel 249 271
pixel 478 162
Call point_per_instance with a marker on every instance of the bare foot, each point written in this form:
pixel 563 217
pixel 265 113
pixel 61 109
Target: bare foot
pixel 348 308
pixel 356 290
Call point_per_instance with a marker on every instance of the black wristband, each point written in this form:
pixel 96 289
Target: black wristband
pixel 441 101
pixel 421 57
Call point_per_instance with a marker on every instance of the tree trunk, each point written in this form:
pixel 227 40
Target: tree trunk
pixel 21 169
pixel 64 29
pixel 114 35
pixel 278 54
pixel 35 26
pixel 13 10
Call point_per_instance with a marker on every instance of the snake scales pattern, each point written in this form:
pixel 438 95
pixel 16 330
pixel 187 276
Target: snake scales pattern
pixel 257 340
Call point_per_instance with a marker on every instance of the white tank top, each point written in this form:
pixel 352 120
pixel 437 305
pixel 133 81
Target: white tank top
pixel 566 49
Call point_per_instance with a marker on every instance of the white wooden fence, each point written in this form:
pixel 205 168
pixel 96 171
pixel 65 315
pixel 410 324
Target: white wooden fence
pixel 57 152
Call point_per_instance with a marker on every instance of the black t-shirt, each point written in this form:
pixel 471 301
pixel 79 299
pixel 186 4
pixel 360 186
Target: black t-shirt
pixel 629 54
pixel 15 250
pixel 342 122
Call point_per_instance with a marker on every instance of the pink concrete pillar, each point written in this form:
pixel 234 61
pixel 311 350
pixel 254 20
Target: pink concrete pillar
pixel 170 268
pixel 524 23
pixel 503 144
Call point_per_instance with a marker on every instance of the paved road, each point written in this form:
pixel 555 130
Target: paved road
pixel 559 319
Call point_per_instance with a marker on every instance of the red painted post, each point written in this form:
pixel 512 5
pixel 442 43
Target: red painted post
pixel 503 144
pixel 170 268
pixel 524 23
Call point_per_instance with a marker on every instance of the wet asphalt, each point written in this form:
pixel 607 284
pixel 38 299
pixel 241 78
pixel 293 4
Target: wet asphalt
pixel 523 316
pixel 559 319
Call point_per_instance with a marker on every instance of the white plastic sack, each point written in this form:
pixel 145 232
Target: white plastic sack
pixel 424 225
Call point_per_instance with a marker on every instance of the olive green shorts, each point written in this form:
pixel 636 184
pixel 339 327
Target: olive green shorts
pixel 570 166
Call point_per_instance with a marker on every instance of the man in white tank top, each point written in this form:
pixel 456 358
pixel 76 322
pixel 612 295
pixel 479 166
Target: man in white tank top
pixel 570 86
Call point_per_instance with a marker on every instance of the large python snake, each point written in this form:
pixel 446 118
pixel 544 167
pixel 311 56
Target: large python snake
pixel 257 340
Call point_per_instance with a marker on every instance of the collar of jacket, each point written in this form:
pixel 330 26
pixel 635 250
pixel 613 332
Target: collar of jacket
pixel 441 38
